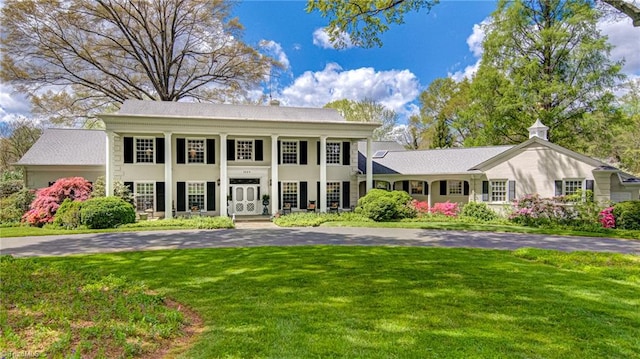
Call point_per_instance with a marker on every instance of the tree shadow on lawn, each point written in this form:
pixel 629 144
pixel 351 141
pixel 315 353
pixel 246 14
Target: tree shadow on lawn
pixel 380 302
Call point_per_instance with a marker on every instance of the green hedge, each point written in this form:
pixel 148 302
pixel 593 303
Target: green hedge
pixel 68 214
pixel 381 205
pixel 627 215
pixel 106 212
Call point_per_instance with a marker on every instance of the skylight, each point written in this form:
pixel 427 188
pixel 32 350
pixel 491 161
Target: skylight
pixel 380 154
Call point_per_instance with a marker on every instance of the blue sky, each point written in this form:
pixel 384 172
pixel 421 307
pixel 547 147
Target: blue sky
pixel 443 42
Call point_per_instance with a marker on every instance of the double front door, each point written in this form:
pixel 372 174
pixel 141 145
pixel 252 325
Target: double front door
pixel 244 199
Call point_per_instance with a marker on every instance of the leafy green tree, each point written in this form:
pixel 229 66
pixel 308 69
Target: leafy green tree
pixel 543 60
pixel 16 138
pixel 368 110
pixel 100 53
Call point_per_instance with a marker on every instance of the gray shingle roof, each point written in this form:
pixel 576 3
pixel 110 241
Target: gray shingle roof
pixel 225 111
pixel 68 147
pixel 442 161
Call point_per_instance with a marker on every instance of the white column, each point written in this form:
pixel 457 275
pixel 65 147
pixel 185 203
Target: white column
pixel 108 165
pixel 274 174
pixel 323 174
pixel 168 176
pixel 369 164
pixel 224 181
pixel 430 191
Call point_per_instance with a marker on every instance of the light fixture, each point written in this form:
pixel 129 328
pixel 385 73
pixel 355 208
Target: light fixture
pixel 218 181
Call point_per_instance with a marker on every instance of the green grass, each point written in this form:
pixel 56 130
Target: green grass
pixel 56 311
pixel 392 302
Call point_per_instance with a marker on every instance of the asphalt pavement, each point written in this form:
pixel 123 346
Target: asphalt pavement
pixel 270 235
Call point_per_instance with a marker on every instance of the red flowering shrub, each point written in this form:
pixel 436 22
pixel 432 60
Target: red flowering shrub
pixel 447 208
pixel 606 218
pixel 421 208
pixel 48 199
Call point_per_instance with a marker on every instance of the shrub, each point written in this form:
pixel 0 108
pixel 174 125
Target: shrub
pixel 68 214
pixel 13 207
pixel 607 219
pixel 627 215
pixel 48 199
pixel 479 211
pixel 381 205
pixel 9 187
pixel 106 212
pixel 535 211
pixel 421 207
pixel 447 208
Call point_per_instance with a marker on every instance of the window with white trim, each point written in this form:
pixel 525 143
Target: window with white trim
pixel 571 187
pixel 144 150
pixel 454 187
pixel 382 185
pixel 333 153
pixel 144 194
pixel 416 187
pixel 290 193
pixel 244 150
pixel 498 190
pixel 289 152
pixel 195 150
pixel 333 193
pixel 195 195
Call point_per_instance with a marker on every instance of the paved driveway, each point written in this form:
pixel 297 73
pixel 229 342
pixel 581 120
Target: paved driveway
pixel 252 237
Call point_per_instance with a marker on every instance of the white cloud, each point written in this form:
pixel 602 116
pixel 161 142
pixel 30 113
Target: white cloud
pixel 12 104
pixel 395 89
pixel 275 50
pixel 321 39
pixel 474 41
pixel 626 41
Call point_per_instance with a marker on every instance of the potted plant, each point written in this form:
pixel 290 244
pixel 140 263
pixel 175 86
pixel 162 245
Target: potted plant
pixel 265 199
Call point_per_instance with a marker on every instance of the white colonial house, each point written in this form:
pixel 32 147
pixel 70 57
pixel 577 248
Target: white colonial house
pixel 221 159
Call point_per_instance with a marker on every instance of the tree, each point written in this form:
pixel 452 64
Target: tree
pixel 368 110
pixel 100 53
pixel 49 199
pixel 543 60
pixel 16 138
pixel 365 20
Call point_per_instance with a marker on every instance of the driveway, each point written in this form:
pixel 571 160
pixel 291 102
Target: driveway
pixel 253 237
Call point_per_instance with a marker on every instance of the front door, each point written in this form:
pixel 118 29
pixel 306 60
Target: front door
pixel 244 199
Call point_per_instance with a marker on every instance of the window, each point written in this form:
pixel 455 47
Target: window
pixel 195 151
pixel 144 150
pixel 571 187
pixel 455 187
pixel 290 193
pixel 289 151
pixel 416 187
pixel 333 153
pixel 382 185
pixel 244 150
pixel 144 196
pixel 195 195
pixel 333 193
pixel 498 191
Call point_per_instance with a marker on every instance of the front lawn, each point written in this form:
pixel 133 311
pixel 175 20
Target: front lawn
pixel 387 302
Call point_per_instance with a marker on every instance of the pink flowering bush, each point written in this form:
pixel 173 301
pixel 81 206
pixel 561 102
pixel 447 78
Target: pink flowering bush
pixel 607 219
pixel 421 207
pixel 49 199
pixel 447 209
pixel 533 210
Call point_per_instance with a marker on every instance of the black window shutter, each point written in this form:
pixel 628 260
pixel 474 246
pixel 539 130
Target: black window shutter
pixel 346 194
pixel 259 149
pixel 279 195
pixel 303 195
pixel 558 185
pixel 318 194
pixel 159 150
pixel 129 185
pixel 128 150
pixel 160 196
pixel 512 190
pixel 303 152
pixel 426 188
pixel 485 191
pixel 231 150
pixel 346 153
pixel 318 152
pixel 211 196
pixel 279 152
pixel 443 188
pixel 211 152
pixel 589 184
pixel 465 188
pixel 405 186
pixel 181 197
pixel 180 150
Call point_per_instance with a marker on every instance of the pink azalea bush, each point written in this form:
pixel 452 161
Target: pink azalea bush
pixel 606 218
pixel 533 210
pixel 447 209
pixel 421 207
pixel 49 199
